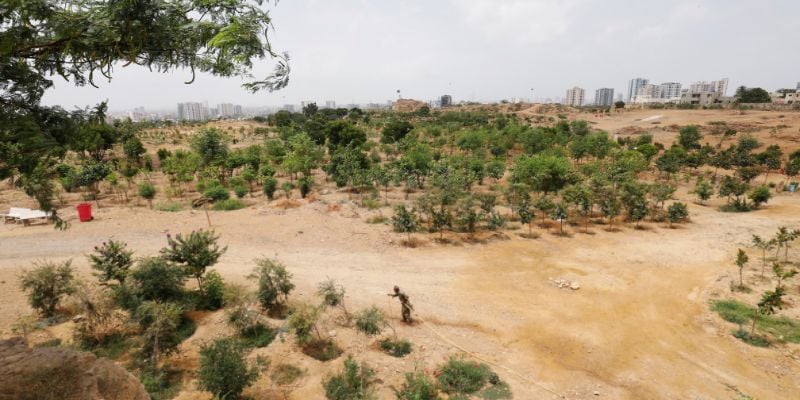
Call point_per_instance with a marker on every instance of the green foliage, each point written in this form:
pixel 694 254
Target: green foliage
pixel 459 376
pixel 169 206
pixel 788 329
pixel 212 146
pixel 703 190
pixel 331 293
pixel 159 383
pixel 417 386
pixel 147 191
pixel 229 205
pixel 689 137
pixel 274 282
pixel 46 284
pixel 370 321
pixel 240 191
pixel 543 172
pixel 216 193
pixel 258 335
pixel 353 383
pixel 303 321
pixel 403 220
pixel 213 291
pixel 751 338
pixel 195 252
pixel 396 347
pixel 677 211
pixel 285 374
pixel 395 130
pixel 156 279
pixel 760 195
pixel 111 261
pixel 223 369
pixel 752 95
pixel 305 184
pixel 160 323
pixel 270 185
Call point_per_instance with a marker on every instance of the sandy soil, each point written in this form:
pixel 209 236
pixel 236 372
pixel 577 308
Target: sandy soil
pixel 639 328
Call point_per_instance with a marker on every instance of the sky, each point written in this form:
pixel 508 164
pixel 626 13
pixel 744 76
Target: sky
pixel 360 51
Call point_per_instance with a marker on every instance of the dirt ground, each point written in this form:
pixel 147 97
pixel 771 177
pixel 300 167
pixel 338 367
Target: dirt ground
pixel 639 327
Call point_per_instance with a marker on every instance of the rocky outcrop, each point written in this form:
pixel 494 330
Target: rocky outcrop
pixel 408 105
pixel 57 373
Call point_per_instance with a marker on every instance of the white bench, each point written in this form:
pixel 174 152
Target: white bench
pixel 30 215
pixel 14 213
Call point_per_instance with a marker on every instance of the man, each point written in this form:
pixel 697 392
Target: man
pixel 404 303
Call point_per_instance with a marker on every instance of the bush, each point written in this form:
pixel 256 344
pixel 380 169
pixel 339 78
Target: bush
pixel 111 261
pixel 147 191
pixel 216 193
pixel 156 279
pixel 274 283
pixel 305 185
pixel 459 376
pixel 223 370
pixel 353 383
pixel 258 335
pixel 270 186
pixel 213 291
pixel 228 205
pixel 169 206
pixel 46 284
pixel 160 324
pixel 396 348
pixel 303 321
pixel 418 386
pixel 322 350
pixel 240 191
pixel 370 321
pixel 760 195
pixel 753 340
pixel 159 384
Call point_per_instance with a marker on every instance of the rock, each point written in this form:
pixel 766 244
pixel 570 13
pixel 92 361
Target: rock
pixel 596 393
pixel 574 285
pixel 332 334
pixel 47 371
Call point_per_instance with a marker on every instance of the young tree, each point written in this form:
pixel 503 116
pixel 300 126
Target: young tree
pixel 223 369
pixel 303 321
pixel 370 321
pixel 353 383
pixel 741 261
pixel 759 196
pixel 441 219
pixel 46 284
pixel 545 205
pixel 196 252
pixel 404 221
pixel 764 246
pixel 270 185
pixel 703 190
pixel 274 283
pixel 156 279
pixel 526 215
pixel 689 137
pixel 677 211
pixel 560 214
pixel 610 206
pixel 111 261
pixel 332 295
pixel 782 274
pixel 770 300
pixel 159 322
pixel 147 191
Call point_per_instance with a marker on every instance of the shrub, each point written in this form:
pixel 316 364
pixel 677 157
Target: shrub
pixel 396 348
pixel 459 376
pixel 753 340
pixel 332 294
pixel 370 321
pixel 169 206
pixel 274 282
pixel 285 374
pixel 322 350
pixel 305 185
pixel 270 186
pixel 160 323
pixel 212 292
pixel 216 193
pixel 417 386
pixel 159 384
pixel 303 321
pixel 196 252
pixel 240 191
pixel 223 370
pixel 760 195
pixel 228 205
pixel 147 191
pixel 353 383
pixel 258 335
pixel 677 212
pixel 111 261
pixel 46 284
pixel 156 279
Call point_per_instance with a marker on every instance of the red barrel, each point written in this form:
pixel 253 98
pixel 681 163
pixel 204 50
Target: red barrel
pixel 84 212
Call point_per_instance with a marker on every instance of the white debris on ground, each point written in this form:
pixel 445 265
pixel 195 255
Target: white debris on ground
pixel 564 283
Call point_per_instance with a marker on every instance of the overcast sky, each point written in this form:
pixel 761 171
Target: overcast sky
pixel 486 50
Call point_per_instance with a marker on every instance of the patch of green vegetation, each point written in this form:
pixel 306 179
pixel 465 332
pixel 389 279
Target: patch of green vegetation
pixel 228 205
pixel 499 391
pixel 322 350
pixel 50 343
pixel 159 383
pixel 753 340
pixel 780 327
pixel 396 348
pixel 460 376
pixel 186 329
pixel 113 347
pixel 256 336
pixel 169 206
pixel 285 374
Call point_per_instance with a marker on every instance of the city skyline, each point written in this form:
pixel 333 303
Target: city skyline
pixel 481 50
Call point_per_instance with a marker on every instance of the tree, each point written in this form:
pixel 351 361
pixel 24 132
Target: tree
pixel 404 221
pixel 764 246
pixel 370 321
pixel 344 134
pixel 676 212
pixel 703 190
pixel 689 137
pixel 526 215
pixel 782 273
pixel 270 186
pixel 159 322
pixel 760 195
pixel 619 104
pixel 133 149
pixel 90 176
pixel 274 283
pixel 770 159
pixel 353 383
pixel 303 321
pixel 610 206
pixel 46 284
pixel 752 95
pixel 195 252
pixel 770 300
pixel 147 191
pixel 332 295
pixel 223 369
pixel 303 155
pixel 310 109
pixel 545 205
pixel 212 146
pixel 111 261
pixel 395 130
pixel 741 261
pixel 442 219
pixel 156 279
pixel 543 172
pixel 560 214
pixel 417 386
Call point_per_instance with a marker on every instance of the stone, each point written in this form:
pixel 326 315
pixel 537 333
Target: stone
pixel 574 285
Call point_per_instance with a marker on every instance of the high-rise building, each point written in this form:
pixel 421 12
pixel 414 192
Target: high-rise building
pixel 575 97
pixel 720 86
pixel 634 85
pixel 798 86
pixel 604 97
pixel 446 101
pixel 226 110
pixel 192 111
pixel 330 104
pixel 237 110
pixel 288 107
pixel 669 90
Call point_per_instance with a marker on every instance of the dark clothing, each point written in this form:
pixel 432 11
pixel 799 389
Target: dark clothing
pixel 405 305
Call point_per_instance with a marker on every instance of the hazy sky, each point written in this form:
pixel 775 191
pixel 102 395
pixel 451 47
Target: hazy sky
pixel 364 50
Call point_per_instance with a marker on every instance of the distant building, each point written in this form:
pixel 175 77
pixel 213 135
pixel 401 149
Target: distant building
pixel 446 101
pixel 226 110
pixel 237 110
pixel 192 112
pixel 634 85
pixel 288 107
pixel 720 86
pixel 604 97
pixel 704 98
pixel 330 104
pixel 575 97
pixel 668 92
pixel 798 86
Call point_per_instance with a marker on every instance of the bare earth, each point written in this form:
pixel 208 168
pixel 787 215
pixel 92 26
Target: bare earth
pixel 639 327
